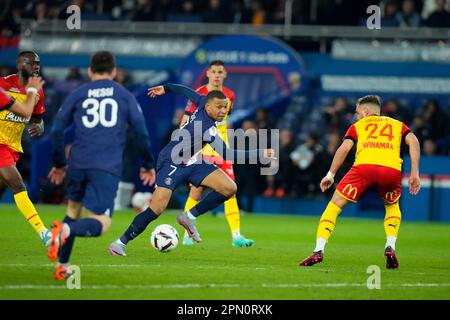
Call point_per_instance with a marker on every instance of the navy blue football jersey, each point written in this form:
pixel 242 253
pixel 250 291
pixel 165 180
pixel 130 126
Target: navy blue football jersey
pixel 100 111
pixel 187 142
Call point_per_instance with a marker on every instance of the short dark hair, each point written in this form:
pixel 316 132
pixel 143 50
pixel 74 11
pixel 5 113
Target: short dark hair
pixel 103 62
pixel 215 94
pixel 372 99
pixel 23 54
pixel 216 63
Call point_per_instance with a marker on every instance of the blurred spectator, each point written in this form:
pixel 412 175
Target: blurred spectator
pixel 186 12
pixel 394 110
pixel 215 12
pixel 124 78
pixel 258 13
pixel 72 81
pixel 305 158
pixel 144 11
pixel 435 118
pixel 420 129
pixel 40 12
pixel 429 147
pixel 5 70
pixel 408 17
pixel 390 15
pixel 281 183
pixel 440 18
pixel 248 176
pixel 338 116
pixel 263 119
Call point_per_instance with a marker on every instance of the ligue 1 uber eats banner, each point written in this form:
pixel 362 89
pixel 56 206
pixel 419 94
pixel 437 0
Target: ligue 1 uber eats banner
pixel 261 70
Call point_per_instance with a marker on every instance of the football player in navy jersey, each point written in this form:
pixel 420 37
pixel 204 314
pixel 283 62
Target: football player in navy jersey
pixel 101 111
pixel 180 161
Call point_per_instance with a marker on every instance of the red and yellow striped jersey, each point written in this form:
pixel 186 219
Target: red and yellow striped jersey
pixel 378 141
pixel 12 125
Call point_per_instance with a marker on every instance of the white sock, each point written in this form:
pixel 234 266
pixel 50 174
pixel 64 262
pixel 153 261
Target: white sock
pixel 65 265
pixel 190 216
pixel 236 234
pixel 320 244
pixel 390 241
pixel 120 243
pixel 66 229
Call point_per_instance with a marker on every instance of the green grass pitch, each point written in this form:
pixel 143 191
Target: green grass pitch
pixel 216 270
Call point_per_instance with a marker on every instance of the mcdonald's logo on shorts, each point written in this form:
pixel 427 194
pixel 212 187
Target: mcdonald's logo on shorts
pixel 349 189
pixel 391 195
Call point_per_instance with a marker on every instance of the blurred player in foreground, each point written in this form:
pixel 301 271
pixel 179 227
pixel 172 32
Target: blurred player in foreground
pixel 180 161
pixel 377 163
pixel 100 111
pixel 14 115
pixel 216 74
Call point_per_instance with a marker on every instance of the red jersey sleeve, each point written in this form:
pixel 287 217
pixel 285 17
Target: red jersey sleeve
pixel 190 107
pixel 39 108
pixel 351 134
pixel 5 100
pixel 231 97
pixel 405 130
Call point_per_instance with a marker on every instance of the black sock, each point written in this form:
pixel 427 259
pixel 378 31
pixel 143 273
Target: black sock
pixel 87 227
pixel 66 248
pixel 209 202
pixel 139 224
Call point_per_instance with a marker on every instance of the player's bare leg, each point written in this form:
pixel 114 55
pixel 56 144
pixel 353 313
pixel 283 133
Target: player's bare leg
pixel 195 194
pixel 325 228
pixel 3 188
pixel 222 187
pixel 12 179
pixel 160 200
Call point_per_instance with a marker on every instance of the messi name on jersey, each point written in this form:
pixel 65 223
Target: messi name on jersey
pixel 101 92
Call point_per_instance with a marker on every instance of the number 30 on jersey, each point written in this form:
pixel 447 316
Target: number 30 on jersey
pixel 97 113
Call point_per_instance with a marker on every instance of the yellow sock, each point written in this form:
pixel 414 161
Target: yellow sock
pixel 29 211
pixel 190 203
pixel 328 220
pixel 392 219
pixel 232 215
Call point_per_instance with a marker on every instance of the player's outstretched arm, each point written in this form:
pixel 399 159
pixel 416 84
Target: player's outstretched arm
pixel 338 160
pixel 240 155
pixel 414 153
pixel 187 92
pixel 25 109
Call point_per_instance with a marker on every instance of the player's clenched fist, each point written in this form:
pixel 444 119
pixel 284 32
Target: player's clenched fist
pixel 156 91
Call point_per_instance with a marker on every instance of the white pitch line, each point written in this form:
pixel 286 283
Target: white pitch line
pixel 18 265
pixel 215 285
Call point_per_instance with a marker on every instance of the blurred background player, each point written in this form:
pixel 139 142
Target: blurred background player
pixel 377 163
pixel 100 111
pixel 11 131
pixel 216 74
pixel 14 114
pixel 181 161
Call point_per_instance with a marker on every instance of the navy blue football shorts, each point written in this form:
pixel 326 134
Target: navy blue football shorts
pixel 94 188
pixel 170 176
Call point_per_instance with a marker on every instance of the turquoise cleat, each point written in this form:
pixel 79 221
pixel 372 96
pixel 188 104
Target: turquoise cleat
pixel 187 241
pixel 242 241
pixel 46 236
